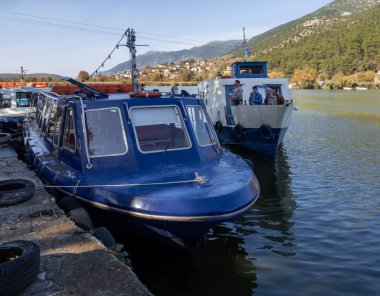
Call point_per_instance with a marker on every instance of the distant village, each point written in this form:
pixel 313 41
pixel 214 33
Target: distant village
pixel 184 71
pixel 192 71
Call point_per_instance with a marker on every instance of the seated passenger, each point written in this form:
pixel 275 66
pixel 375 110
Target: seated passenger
pixel 270 98
pixel 255 97
pixel 279 98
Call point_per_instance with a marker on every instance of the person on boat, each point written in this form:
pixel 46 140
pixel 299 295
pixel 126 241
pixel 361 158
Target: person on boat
pixel 270 98
pixel 279 98
pixel 237 95
pixel 255 97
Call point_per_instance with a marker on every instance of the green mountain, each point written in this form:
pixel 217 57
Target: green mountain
pixel 349 45
pixel 327 17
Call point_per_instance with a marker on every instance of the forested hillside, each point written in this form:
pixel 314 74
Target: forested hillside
pixel 350 47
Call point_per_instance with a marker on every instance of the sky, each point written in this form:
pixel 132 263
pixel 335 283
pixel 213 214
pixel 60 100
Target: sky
pixel 33 34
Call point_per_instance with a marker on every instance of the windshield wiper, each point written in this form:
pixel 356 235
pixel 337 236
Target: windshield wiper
pixel 171 140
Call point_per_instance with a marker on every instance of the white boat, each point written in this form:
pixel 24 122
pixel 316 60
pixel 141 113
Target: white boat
pixel 361 88
pixel 347 88
pixel 260 128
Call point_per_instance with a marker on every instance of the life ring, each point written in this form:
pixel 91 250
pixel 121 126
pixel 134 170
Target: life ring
pixel 218 127
pixel 239 131
pixel 266 131
pixel 145 94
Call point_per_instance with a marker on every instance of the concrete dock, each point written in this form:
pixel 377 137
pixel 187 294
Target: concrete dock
pixel 73 262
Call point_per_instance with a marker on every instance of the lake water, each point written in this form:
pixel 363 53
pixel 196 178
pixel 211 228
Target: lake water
pixel 315 229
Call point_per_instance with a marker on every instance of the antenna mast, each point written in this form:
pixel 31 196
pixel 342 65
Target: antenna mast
pixel 245 46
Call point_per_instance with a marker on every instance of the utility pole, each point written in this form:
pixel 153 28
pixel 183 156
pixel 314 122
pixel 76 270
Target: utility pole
pixel 22 73
pixel 131 44
pixel 134 71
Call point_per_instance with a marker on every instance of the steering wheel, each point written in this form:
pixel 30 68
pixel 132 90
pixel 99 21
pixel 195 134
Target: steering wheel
pixel 174 89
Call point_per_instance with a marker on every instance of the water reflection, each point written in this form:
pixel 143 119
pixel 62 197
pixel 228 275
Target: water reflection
pixel 271 217
pixel 226 263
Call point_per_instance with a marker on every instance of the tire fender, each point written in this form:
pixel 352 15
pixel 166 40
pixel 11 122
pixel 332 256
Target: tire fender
pixel 15 191
pixel 266 131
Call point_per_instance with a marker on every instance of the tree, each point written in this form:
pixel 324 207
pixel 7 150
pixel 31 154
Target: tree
pixel 186 75
pixel 276 74
pixel 306 77
pixel 83 76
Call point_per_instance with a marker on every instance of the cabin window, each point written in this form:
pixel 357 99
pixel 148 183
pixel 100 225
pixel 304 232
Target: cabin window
pixel 40 109
pixel 201 126
pixel 45 116
pixel 51 128
pixel 105 132
pixel 69 132
pixel 5 101
pixel 24 99
pixel 55 124
pixel 249 70
pixel 58 124
pixel 159 129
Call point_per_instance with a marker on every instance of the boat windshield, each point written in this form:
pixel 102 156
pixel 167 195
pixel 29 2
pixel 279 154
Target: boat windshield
pixel 202 128
pixel 105 132
pixel 24 99
pixel 159 129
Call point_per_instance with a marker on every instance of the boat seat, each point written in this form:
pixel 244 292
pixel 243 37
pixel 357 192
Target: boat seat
pixel 153 138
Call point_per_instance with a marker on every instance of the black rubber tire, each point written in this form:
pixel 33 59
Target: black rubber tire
pixel 15 191
pixel 103 234
pixel 5 138
pixel 69 203
pixel 266 131
pixel 239 131
pixel 19 273
pixel 18 146
pixel 28 159
pixel 81 218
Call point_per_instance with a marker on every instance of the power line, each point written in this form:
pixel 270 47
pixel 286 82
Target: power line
pixel 49 24
pixel 174 40
pixel 93 25
pixel 55 25
pixel 61 20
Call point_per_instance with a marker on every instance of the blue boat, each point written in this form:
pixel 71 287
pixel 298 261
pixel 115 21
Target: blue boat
pixel 145 162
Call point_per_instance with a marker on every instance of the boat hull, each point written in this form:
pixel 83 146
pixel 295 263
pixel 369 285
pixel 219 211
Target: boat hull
pixel 180 234
pixel 176 215
pixel 253 139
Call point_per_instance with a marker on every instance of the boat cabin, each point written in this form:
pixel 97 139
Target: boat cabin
pixel 120 132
